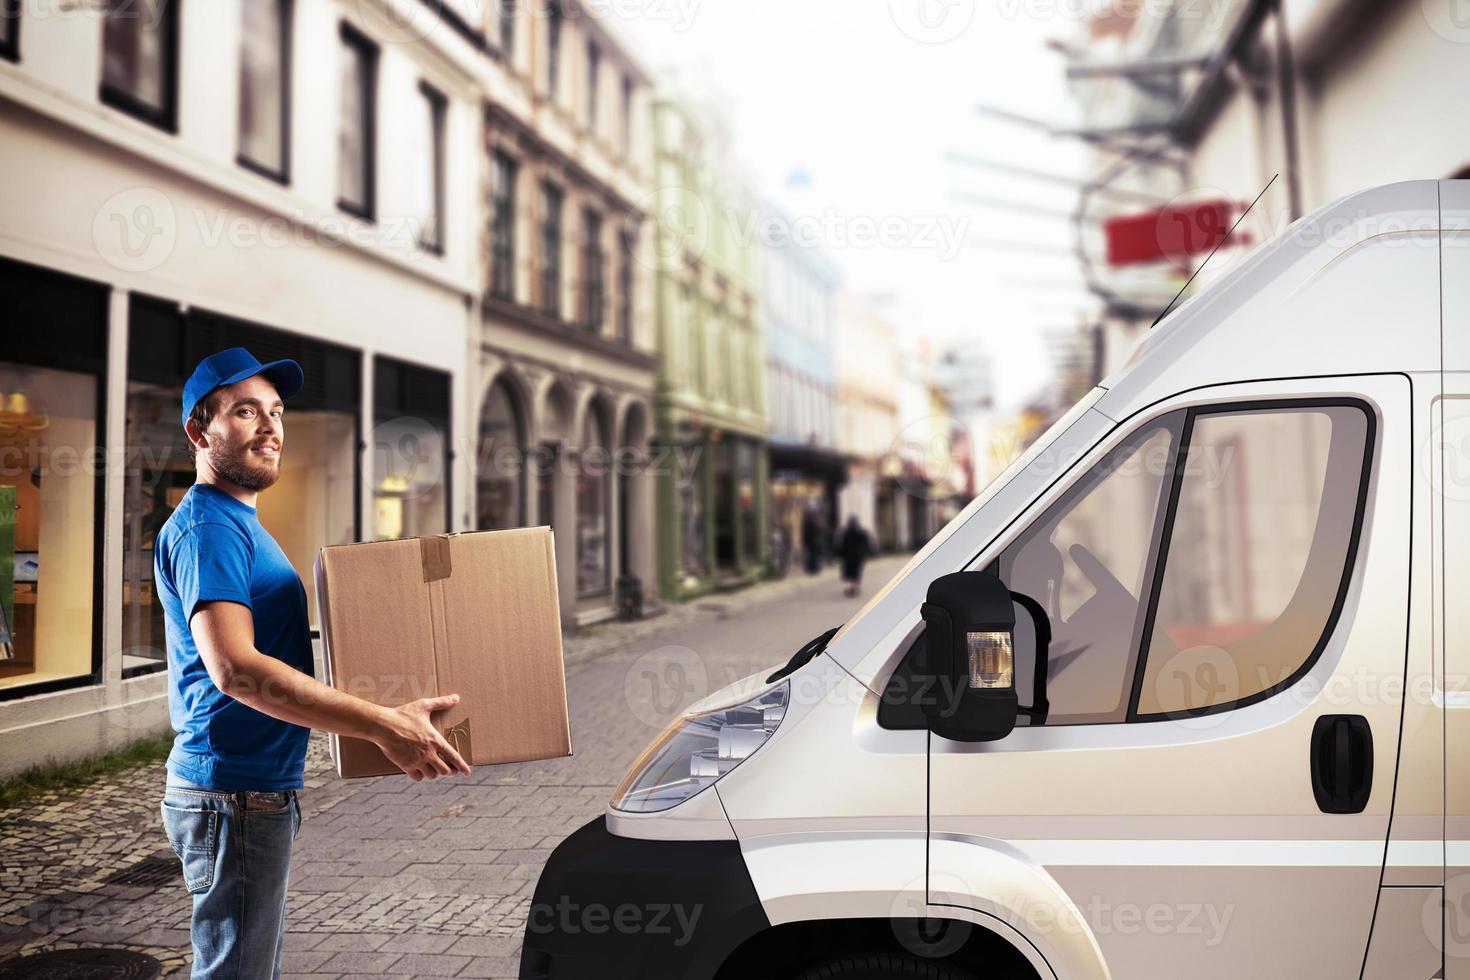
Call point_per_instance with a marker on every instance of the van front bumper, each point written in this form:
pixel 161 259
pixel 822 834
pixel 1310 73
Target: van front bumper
pixel 609 908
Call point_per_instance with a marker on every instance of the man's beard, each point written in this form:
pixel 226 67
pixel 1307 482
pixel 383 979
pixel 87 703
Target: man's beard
pixel 236 468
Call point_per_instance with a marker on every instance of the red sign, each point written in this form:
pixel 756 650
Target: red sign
pixel 1171 233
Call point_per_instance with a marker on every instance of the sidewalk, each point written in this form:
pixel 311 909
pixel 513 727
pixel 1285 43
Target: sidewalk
pixel 391 877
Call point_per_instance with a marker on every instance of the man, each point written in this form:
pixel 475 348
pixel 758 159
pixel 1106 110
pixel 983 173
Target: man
pixel 242 696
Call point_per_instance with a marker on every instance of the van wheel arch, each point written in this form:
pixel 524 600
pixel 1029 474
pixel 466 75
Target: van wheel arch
pixel 821 948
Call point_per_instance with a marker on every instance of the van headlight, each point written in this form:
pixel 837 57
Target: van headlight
pixel 697 749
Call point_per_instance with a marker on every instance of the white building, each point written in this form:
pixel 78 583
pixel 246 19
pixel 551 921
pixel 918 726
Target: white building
pixel 301 179
pixel 1191 102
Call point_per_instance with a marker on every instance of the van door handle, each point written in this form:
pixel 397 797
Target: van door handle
pixel 1342 763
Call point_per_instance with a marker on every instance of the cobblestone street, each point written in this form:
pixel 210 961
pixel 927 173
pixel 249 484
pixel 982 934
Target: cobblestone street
pixel 393 878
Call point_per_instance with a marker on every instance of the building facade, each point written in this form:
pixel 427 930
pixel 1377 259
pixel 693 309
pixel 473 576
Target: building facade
pixel 798 317
pixel 868 387
pixel 285 177
pixel 565 365
pixel 1299 104
pixel 711 400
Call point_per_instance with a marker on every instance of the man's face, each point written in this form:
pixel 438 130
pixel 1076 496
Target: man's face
pixel 246 433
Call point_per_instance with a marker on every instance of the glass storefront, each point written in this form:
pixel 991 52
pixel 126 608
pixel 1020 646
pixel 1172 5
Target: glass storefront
pixel 48 494
pixel 745 500
pixel 410 450
pixel 690 489
pixel 500 470
pixel 52 368
pixel 593 540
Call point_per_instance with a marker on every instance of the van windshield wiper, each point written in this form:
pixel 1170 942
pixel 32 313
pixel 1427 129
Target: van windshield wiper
pixel 804 656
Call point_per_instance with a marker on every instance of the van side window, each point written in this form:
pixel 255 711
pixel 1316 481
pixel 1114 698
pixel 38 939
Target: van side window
pixel 1086 561
pixel 1259 544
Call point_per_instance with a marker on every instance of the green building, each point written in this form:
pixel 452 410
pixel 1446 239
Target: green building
pixel 711 412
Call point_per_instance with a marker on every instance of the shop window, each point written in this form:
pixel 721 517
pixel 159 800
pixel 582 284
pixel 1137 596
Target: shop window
pixel 410 448
pixel 48 504
pixel 745 475
pixel 593 539
pixel 695 554
pixel 356 124
pixel 724 504
pixel 500 500
pixel 140 59
pixel 1263 531
pixel 311 505
pixel 265 87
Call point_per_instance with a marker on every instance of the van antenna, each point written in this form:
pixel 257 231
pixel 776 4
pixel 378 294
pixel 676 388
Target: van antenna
pixel 1213 251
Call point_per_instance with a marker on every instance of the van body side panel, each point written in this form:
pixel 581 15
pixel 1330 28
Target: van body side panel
pixel 1402 948
pixel 1200 840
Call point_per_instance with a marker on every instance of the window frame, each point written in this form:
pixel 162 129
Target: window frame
pixel 594 272
pixel 1161 560
pixel 1156 561
pixel 350 36
pixel 283 175
pixel 552 230
pixel 507 31
pixel 594 70
pixel 503 225
pixel 438 104
pixel 10 46
pixel 165 117
pixel 554 39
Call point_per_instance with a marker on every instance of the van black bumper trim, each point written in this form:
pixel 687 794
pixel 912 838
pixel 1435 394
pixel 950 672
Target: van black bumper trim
pixel 609 908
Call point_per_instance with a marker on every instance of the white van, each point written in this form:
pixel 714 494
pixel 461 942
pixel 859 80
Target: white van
pixel 1246 561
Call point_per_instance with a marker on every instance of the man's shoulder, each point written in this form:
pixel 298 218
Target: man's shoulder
pixel 196 515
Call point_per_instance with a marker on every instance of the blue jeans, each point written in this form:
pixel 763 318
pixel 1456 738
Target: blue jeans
pixel 235 848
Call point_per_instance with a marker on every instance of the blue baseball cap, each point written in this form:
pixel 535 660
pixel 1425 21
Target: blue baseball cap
pixel 237 364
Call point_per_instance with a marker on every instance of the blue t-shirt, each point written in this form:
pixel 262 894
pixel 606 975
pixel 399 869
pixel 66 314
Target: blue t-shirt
pixel 213 547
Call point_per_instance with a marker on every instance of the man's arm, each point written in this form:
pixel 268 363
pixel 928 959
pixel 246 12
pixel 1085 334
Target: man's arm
pixel 224 633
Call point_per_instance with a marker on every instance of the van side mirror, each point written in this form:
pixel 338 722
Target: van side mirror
pixel 968 649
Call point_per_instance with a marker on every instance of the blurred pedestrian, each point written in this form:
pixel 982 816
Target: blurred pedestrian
pixel 854 548
pixel 811 540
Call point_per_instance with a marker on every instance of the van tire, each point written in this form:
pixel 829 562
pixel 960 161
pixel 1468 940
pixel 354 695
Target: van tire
pixel 883 966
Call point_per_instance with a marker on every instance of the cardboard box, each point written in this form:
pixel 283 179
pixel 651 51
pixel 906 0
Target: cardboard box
pixel 470 614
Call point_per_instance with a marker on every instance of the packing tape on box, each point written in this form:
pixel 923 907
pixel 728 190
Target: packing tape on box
pixel 435 554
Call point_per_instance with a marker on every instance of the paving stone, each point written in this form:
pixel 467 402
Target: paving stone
pixel 390 876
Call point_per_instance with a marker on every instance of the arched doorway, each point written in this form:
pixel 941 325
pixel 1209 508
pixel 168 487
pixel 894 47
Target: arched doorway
pixel 500 485
pixel 594 504
pixel 636 532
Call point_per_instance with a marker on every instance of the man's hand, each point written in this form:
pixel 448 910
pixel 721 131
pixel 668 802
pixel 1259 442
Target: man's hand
pixel 225 634
pixel 411 742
